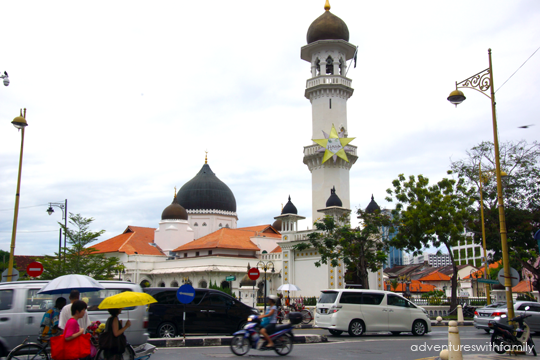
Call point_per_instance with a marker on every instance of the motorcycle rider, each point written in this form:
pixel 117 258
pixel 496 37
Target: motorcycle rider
pixel 272 314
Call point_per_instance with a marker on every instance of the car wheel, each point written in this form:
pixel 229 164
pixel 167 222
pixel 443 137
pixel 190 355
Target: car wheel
pixel 419 328
pixel 166 330
pixel 335 332
pixel 356 328
pixel 395 333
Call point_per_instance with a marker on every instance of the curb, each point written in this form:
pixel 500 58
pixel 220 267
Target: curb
pixel 221 341
pixel 445 323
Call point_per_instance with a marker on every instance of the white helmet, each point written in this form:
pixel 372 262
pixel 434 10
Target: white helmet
pixel 274 298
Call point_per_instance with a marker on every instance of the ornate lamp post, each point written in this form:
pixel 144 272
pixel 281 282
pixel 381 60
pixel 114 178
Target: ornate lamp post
pixel 20 123
pixel 265 266
pixel 50 211
pixel 483 82
pixel 405 280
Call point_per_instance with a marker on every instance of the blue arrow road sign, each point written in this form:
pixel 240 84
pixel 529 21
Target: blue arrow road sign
pixel 185 294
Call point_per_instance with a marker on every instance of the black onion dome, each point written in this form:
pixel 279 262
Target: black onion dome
pixel 246 281
pixel 206 192
pixel 327 27
pixel 333 200
pixel 372 206
pixel 289 208
pixel 277 225
pixel 175 211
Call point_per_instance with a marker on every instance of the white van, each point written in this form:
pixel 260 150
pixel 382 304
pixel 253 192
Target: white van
pixel 22 308
pixel 358 311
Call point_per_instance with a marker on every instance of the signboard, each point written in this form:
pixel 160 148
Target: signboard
pixel 230 278
pixel 34 269
pixel 254 273
pixel 14 275
pixel 487 281
pixel 514 276
pixel 185 294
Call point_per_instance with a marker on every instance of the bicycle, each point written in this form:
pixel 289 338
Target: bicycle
pixel 307 316
pixel 30 351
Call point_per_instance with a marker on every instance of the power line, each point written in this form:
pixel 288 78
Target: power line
pixel 30 231
pixel 25 207
pixel 517 69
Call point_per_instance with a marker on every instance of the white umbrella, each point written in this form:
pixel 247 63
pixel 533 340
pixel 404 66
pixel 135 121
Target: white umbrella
pixel 288 287
pixel 64 285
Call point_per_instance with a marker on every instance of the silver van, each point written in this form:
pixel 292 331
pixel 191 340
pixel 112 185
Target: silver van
pixel 22 308
pixel 359 311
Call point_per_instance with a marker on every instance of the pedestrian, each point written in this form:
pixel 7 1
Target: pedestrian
pixel 115 325
pixel 72 329
pixel 65 315
pixel 279 306
pixel 49 322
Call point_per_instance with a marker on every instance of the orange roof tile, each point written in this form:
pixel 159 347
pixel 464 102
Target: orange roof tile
pixel 223 238
pixel 134 239
pixel 276 250
pixel 415 287
pixel 480 272
pixel 523 286
pixel 435 276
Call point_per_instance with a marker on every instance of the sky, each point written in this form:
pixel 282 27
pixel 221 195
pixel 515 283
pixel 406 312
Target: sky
pixel 123 99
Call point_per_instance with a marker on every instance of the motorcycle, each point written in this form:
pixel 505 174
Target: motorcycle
pixel 468 311
pixel 249 337
pixel 506 338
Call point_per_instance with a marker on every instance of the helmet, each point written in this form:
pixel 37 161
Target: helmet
pixel 274 298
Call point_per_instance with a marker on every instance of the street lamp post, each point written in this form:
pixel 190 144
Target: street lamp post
pixel 482 82
pixel 50 211
pixel 265 266
pixel 20 123
pixel 405 281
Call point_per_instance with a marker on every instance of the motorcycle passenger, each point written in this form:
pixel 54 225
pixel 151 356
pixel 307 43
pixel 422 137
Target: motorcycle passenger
pixel 272 315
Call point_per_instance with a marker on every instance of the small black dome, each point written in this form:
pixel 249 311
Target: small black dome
pixel 333 200
pixel 206 192
pixel 289 208
pixel 175 211
pixel 277 225
pixel 327 27
pixel 372 206
pixel 246 281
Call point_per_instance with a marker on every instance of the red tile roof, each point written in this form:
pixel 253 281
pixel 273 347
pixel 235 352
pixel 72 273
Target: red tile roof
pixel 276 250
pixel 523 286
pixel 134 239
pixel 223 238
pixel 263 230
pixel 480 272
pixel 435 276
pixel 415 287
pixel 22 261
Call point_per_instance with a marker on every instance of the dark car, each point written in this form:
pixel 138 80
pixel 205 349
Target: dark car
pixel 211 311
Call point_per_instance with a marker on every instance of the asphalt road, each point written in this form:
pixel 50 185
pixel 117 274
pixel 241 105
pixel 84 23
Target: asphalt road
pixel 366 347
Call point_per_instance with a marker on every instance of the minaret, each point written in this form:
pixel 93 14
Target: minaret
pixel 329 158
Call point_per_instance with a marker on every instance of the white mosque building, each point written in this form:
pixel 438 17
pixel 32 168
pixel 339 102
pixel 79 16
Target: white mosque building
pixel 197 240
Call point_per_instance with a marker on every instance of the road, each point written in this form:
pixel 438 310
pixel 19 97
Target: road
pixel 366 347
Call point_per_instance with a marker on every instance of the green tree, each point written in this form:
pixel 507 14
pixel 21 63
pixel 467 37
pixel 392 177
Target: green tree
pixel 80 259
pixel 521 190
pixel 431 215
pixel 362 249
pixel 4 260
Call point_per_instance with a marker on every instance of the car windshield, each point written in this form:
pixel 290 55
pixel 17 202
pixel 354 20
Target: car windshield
pixel 328 297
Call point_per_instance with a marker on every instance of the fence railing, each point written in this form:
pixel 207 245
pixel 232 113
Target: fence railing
pixel 471 301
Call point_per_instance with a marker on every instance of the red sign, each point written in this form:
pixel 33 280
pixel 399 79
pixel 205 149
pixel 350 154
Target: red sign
pixel 254 273
pixel 34 269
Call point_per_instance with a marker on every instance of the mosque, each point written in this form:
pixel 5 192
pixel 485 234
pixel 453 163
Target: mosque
pixel 197 240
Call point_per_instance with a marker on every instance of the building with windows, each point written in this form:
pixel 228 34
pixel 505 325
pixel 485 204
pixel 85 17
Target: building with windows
pixel 469 252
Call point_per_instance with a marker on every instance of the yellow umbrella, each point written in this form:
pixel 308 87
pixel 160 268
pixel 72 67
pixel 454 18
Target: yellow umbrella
pixel 126 299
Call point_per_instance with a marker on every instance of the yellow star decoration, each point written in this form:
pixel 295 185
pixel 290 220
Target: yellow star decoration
pixel 334 146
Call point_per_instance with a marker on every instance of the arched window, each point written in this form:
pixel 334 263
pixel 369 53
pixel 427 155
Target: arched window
pixel 195 224
pixel 145 284
pixel 174 283
pixel 203 284
pixel 225 284
pixel 329 66
pixel 203 224
pixel 227 226
pixel 220 225
pixel 161 284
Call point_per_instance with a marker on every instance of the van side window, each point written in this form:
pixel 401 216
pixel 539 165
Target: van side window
pixel 372 298
pixel 166 297
pixel 394 300
pixel 39 302
pixel 351 298
pixel 6 299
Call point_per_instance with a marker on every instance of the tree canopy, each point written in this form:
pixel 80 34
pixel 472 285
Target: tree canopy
pixel 80 259
pixel 431 215
pixel 361 249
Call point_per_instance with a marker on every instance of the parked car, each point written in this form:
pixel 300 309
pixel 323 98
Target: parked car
pixel 211 311
pixel 498 312
pixel 22 309
pixel 359 311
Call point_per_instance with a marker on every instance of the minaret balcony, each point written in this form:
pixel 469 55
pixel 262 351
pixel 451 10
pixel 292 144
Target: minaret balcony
pixel 328 80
